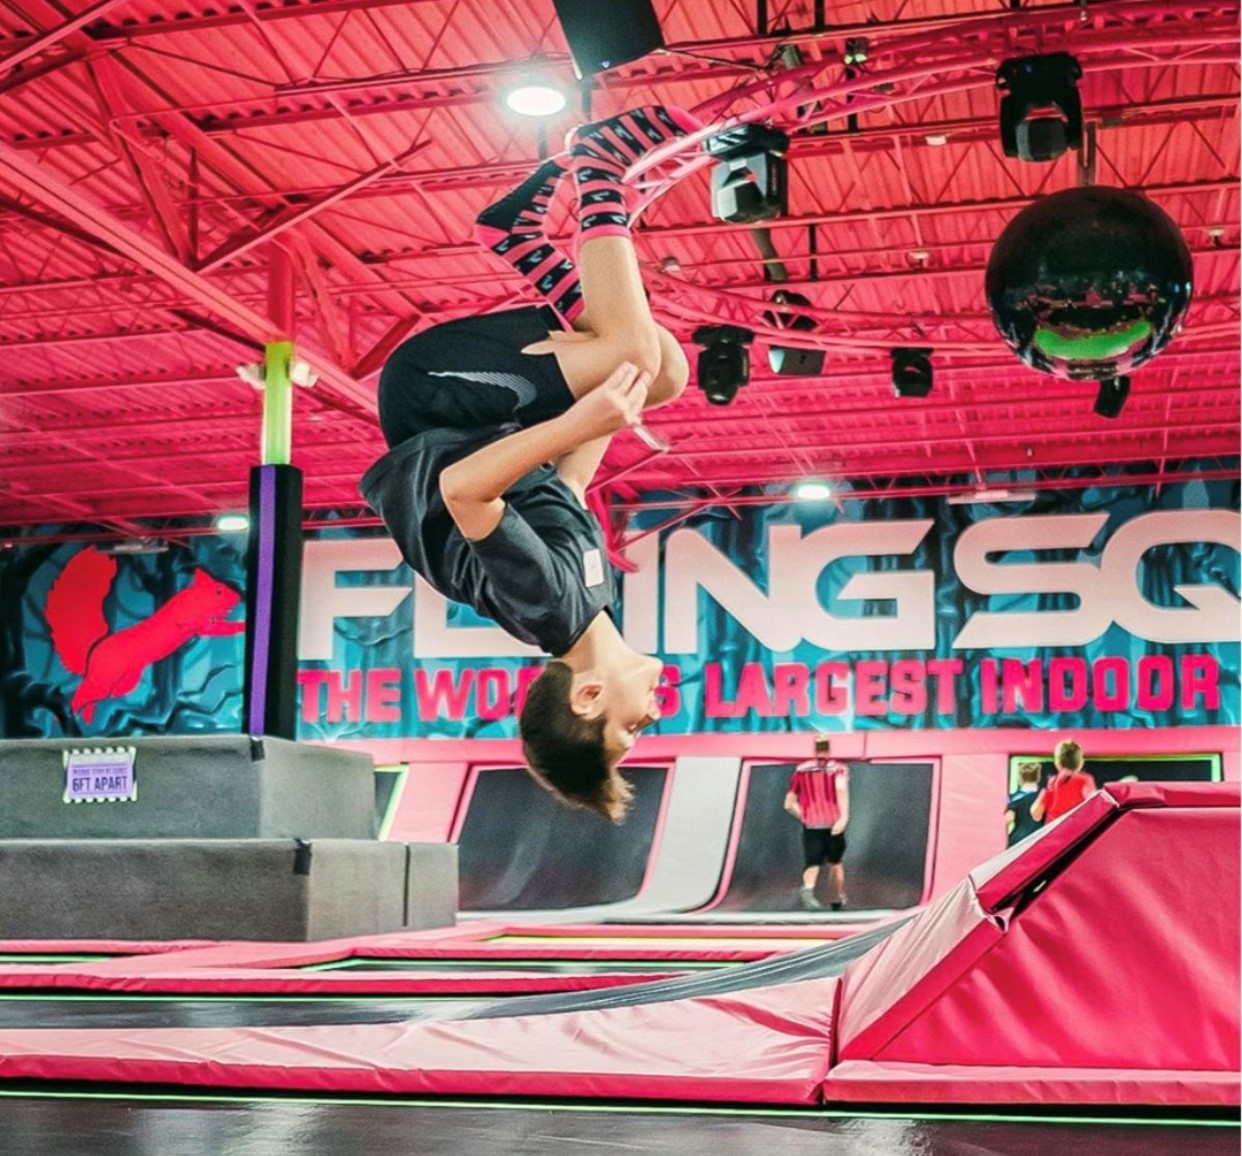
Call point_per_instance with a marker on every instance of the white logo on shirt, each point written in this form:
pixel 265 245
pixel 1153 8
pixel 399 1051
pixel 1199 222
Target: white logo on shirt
pixel 593 568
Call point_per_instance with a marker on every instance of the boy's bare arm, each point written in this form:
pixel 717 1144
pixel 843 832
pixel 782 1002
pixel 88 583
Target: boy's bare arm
pixel 472 487
pixel 577 468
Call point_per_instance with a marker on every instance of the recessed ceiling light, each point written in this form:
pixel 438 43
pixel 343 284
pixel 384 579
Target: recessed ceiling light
pixel 232 523
pixel 812 491
pixel 536 99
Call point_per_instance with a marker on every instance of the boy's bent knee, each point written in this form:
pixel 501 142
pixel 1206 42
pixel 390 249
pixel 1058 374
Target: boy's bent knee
pixel 670 383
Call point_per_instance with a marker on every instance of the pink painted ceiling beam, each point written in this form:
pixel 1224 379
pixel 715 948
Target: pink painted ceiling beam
pixel 113 35
pixel 242 175
pixel 945 466
pixel 53 62
pixel 56 387
pixel 148 173
pixel 1040 479
pixel 373 360
pixel 54 36
pixel 803 144
pixel 991 373
pixel 65 228
pixel 332 324
pixel 1020 419
pixel 72 444
pixel 296 215
pixel 43 185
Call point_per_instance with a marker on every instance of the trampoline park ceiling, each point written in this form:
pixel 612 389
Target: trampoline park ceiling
pixel 167 169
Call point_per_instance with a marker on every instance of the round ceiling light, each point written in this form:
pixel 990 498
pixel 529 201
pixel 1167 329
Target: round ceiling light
pixel 535 99
pixel 812 491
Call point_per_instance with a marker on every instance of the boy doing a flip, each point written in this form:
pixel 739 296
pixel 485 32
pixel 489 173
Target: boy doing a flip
pixel 496 425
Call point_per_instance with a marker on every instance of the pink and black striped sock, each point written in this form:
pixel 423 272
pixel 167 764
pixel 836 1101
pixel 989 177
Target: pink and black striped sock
pixel 601 154
pixel 513 229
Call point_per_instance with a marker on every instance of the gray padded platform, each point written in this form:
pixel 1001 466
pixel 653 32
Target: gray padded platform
pixel 220 888
pixel 193 787
pixel 431 885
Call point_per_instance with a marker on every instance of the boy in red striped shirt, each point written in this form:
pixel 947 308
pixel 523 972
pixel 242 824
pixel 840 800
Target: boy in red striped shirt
pixel 819 798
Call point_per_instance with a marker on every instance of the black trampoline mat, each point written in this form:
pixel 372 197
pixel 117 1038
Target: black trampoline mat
pixel 885 860
pixel 521 850
pixel 129 1125
pixel 223 1012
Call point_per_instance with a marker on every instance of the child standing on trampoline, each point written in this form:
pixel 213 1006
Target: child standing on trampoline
pixel 496 425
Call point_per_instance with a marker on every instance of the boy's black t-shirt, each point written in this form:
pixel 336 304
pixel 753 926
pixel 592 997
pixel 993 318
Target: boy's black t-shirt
pixel 542 574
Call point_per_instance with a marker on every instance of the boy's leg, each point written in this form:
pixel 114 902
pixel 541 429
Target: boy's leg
pixel 615 310
pixel 514 228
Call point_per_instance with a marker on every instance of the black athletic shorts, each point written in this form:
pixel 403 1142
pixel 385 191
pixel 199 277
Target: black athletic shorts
pixel 820 844
pixel 472 374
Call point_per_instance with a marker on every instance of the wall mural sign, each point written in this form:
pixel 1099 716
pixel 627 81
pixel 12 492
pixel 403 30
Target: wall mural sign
pixel 1091 608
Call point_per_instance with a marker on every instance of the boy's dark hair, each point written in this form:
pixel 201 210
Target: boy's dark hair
pixel 565 752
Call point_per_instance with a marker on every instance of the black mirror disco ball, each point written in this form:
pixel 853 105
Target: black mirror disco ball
pixel 1089 283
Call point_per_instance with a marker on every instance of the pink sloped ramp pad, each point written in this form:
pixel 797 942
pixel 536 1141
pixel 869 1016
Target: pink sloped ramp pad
pixel 768 1046
pixel 1116 954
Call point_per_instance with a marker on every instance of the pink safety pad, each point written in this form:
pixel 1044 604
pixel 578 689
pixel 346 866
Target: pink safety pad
pixel 243 981
pixel 1103 969
pixel 100 946
pixel 767 1046
pixel 861 1081
pixel 1128 959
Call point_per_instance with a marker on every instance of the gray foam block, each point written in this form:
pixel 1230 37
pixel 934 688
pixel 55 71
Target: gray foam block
pixel 431 885
pixel 201 889
pixel 193 787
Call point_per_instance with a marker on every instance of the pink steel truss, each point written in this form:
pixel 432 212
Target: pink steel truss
pixel 153 156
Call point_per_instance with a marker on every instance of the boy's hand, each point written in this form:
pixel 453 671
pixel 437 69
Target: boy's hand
pixel 614 405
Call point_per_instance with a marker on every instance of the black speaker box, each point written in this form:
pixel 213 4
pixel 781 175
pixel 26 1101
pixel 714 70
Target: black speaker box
pixel 605 33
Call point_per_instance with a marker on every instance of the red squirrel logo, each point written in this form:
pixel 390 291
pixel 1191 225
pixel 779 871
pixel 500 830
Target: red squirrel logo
pixel 111 665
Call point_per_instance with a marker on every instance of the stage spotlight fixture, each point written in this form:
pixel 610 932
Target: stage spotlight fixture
pixel 605 33
pixel 749 183
pixel 785 360
pixel 857 50
pixel 1041 113
pixel 1111 399
pixel 912 371
pixel 535 98
pixel 724 360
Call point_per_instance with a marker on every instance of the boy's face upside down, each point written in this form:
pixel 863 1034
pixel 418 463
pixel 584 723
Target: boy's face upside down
pixel 623 693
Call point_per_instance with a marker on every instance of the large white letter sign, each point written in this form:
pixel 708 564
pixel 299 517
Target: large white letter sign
pixel 1017 628
pixel 1213 612
pixel 791 612
pixel 911 627
pixel 323 601
pixel 434 637
pixel 692 563
pixel 1107 591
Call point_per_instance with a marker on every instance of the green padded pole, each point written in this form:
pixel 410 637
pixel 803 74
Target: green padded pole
pixel 277 404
